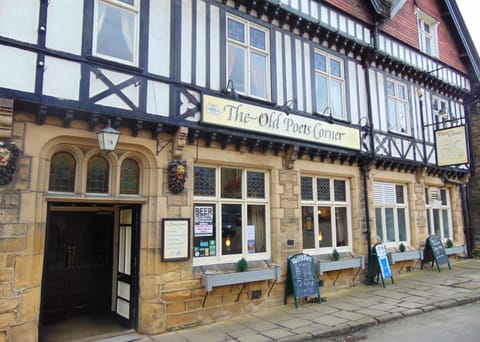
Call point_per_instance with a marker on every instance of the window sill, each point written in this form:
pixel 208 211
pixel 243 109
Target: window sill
pixel 117 65
pixel 394 257
pixel 211 280
pixel 342 264
pixel 455 250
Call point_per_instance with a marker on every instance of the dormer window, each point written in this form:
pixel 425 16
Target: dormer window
pixel 427 33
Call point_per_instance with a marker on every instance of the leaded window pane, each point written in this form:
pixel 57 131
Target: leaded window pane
pixel 257 38
pixel 129 177
pixel 62 172
pixel 204 181
pixel 335 69
pixel 323 189
pixel 255 184
pixel 97 175
pixel 307 188
pixel 399 194
pixel 339 190
pixel 320 62
pixel 236 30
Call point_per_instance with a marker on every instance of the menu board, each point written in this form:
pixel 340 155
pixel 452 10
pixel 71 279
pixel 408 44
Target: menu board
pixel 176 239
pixel 435 252
pixel 302 278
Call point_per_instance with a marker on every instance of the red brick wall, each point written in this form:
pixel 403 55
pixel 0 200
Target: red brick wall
pixel 357 8
pixel 404 25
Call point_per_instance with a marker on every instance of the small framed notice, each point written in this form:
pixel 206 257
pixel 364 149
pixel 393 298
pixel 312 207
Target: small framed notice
pixel 176 239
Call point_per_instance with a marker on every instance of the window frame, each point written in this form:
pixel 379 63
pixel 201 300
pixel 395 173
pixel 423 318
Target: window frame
pixel 333 204
pixel 431 206
pixel 74 173
pixel 217 202
pixel 398 101
pixel 383 200
pixel 423 19
pixel 119 5
pixel 247 47
pixel 440 120
pixel 330 78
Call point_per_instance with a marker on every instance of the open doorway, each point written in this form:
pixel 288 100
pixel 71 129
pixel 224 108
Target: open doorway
pixel 89 277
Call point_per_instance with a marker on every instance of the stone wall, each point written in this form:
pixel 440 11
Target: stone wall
pixel 21 245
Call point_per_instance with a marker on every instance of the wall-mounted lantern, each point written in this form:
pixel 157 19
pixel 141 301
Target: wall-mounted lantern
pixel 108 138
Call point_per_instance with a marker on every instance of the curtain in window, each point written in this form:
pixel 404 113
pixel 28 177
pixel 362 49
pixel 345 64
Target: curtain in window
pixel 127 23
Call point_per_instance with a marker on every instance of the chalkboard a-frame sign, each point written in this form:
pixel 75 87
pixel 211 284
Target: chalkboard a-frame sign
pixel 435 252
pixel 302 278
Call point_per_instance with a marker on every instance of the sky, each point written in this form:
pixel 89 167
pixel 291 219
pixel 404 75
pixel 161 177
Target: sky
pixel 469 10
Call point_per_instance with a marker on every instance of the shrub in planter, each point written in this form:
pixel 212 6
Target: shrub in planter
pixel 335 255
pixel 242 265
pixel 402 247
pixel 449 243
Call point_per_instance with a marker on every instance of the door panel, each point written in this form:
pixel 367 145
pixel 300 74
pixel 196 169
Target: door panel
pixel 78 264
pixel 125 305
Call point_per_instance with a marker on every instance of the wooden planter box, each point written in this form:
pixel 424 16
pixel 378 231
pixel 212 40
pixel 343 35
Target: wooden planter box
pixel 326 266
pixel 404 256
pixel 211 280
pixel 455 250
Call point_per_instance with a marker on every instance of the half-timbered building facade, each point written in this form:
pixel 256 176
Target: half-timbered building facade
pixel 248 129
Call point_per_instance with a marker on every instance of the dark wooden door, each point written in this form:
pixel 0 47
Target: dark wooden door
pixel 78 267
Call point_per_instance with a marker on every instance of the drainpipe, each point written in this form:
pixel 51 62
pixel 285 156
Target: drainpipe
pixel 365 163
pixel 466 213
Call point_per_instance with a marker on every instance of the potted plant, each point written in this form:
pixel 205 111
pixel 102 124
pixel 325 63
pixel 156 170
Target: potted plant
pixel 402 247
pixel 335 254
pixel 242 265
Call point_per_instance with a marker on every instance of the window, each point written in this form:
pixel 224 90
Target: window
pixel 231 217
pixel 391 212
pixel 325 214
pixel 427 33
pixel 129 177
pixel 329 84
pixel 97 175
pixel 247 58
pixel 397 106
pixel 438 212
pixel 116 30
pixel 440 114
pixel 62 172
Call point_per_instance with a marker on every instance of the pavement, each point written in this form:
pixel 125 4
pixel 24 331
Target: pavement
pixel 345 311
